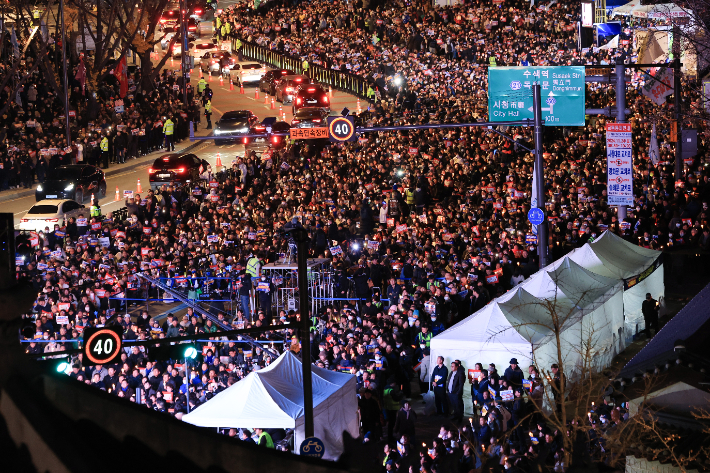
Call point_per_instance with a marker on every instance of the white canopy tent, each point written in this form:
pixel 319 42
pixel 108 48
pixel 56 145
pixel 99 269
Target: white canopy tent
pixel 661 10
pixel 639 268
pixel 518 323
pixel 273 398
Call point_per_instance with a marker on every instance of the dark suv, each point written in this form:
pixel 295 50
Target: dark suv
pixel 311 95
pixel 72 181
pixel 177 168
pixel 268 81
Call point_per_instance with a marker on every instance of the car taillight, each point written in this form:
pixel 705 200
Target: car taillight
pixel 198 12
pixel 151 171
pixel 289 89
pixel 181 170
pixel 294 121
pixel 25 220
pixel 298 80
pixel 51 219
pixel 325 99
pixel 275 139
pixel 311 90
pixel 192 28
pixel 316 120
pixel 245 140
pixel 163 20
pixel 298 101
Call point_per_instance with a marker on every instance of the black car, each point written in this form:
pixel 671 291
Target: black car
pixel 260 145
pixel 310 117
pixel 310 95
pixel 72 181
pixel 177 168
pixel 271 78
pixel 232 124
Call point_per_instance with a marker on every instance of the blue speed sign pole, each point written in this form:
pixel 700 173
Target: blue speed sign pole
pixel 538 212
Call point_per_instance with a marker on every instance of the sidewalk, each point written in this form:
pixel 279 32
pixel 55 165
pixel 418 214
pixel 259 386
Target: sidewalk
pixel 183 147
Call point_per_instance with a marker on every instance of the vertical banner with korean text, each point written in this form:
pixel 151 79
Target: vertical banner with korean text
pixel 619 164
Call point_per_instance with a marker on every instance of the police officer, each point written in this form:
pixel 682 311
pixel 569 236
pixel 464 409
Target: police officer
pixel 208 114
pixel 36 17
pixel 104 151
pixel 305 66
pixel 201 86
pixel 95 209
pixel 168 130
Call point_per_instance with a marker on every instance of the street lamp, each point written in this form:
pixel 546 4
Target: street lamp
pixel 190 354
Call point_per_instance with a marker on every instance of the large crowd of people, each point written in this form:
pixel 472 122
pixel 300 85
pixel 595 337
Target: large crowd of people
pixel 422 228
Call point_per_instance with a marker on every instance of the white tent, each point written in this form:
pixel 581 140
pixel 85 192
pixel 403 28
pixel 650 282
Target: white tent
pixel 641 270
pixel 662 10
pixel 517 323
pixel 273 398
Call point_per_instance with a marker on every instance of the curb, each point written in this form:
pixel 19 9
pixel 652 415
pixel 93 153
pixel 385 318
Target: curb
pixel 19 194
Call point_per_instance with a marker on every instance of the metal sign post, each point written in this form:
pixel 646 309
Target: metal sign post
pixel 542 248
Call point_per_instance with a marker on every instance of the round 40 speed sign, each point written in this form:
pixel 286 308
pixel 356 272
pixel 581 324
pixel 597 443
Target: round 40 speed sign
pixel 102 345
pixel 341 129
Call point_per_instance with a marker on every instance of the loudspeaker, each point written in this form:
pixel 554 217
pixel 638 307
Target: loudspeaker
pixel 7 251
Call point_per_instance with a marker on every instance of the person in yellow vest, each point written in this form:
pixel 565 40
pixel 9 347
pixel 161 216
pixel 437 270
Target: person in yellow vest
pixel 104 151
pixel 208 114
pixel 305 66
pixel 95 209
pixel 370 92
pixel 217 26
pixel 223 32
pixel 36 17
pixel 168 129
pixel 238 45
pixel 253 267
pixel 492 61
pixel 264 438
pixel 201 85
pixel 228 27
pixel 409 196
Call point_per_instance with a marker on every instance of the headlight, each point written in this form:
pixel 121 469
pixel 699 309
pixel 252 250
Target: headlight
pixel 39 188
pixel 217 132
pixel 69 187
pixel 243 130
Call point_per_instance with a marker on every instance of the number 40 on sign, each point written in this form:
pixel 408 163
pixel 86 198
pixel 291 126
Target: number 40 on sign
pixel 102 345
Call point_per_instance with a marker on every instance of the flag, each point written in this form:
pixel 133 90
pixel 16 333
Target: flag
pixel 81 74
pixel 121 73
pixel 653 153
pixel 15 45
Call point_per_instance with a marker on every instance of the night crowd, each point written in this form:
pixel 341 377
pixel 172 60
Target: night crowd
pixel 423 228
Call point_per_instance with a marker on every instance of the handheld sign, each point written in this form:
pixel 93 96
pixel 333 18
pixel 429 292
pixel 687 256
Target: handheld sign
pixel 103 345
pixel 312 447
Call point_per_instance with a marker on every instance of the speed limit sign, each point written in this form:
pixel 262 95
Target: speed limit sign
pixel 102 345
pixel 341 129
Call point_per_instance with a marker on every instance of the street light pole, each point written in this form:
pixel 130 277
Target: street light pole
pixel 64 67
pixel 183 54
pixel 300 236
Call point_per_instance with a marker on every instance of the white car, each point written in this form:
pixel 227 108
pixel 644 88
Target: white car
pixel 247 72
pixel 198 50
pixel 46 213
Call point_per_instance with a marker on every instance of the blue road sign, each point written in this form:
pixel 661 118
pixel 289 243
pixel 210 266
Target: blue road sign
pixel 536 216
pixel 313 447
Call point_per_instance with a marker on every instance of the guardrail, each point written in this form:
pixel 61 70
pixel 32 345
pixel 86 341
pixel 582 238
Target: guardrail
pixel 343 81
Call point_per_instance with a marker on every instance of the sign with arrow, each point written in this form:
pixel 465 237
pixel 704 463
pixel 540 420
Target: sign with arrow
pixel 562 87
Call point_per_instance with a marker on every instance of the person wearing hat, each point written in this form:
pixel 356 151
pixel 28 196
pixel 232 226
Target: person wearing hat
pixel 513 374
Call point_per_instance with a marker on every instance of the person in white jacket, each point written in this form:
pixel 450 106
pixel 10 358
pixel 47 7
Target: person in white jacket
pixel 383 213
pixel 424 372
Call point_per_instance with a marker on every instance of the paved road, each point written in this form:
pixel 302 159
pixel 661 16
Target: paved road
pixel 223 100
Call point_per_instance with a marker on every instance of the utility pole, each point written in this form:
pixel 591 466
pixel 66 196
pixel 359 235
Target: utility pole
pixel 64 72
pixel 183 51
pixel 620 114
pixel 542 240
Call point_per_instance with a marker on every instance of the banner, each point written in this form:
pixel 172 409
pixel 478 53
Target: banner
pixel 619 162
pixel 631 282
pixel 659 85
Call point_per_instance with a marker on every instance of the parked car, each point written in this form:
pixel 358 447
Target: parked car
pixel 72 181
pixel 177 168
pixel 286 88
pixel 268 81
pixel 311 95
pixel 47 212
pixel 232 124
pixel 260 145
pixel 310 117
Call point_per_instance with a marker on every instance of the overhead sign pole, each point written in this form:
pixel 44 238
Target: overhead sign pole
pixel 539 191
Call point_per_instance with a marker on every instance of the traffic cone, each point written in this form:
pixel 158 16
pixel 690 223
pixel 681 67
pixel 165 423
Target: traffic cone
pixel 172 62
pixel 284 116
pixel 117 195
pixel 200 73
pixel 281 110
pixel 219 161
pixel 92 198
pixel 330 92
pixel 209 77
pixel 256 93
pixel 231 84
pixel 272 103
pixel 266 99
pixel 221 79
pixel 139 190
pixel 359 109
pixel 241 88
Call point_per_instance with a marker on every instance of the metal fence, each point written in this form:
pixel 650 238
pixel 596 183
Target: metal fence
pixel 343 81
